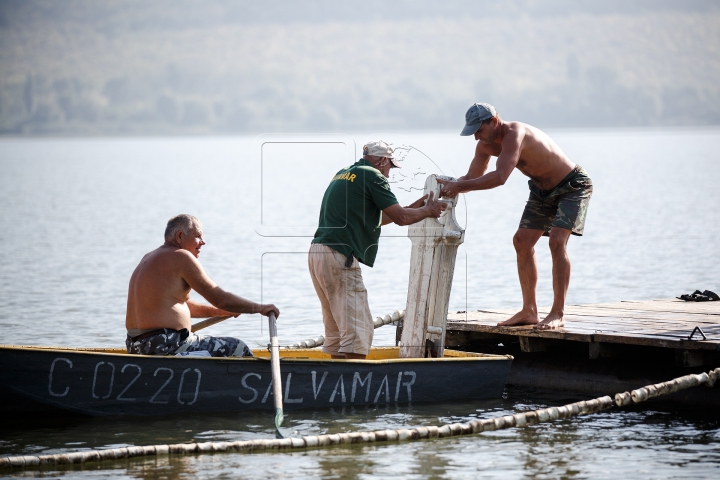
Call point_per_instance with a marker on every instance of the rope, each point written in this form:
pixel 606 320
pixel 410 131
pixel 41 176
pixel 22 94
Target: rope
pixel 379 322
pixel 314 441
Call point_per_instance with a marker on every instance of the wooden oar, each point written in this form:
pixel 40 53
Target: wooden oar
pixel 207 322
pixel 275 366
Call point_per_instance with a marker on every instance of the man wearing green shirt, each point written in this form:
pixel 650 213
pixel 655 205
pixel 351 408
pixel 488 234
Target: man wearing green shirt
pixel 356 204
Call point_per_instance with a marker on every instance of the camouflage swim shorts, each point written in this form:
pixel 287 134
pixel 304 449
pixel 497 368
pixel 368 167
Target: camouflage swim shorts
pixel 176 342
pixel 564 206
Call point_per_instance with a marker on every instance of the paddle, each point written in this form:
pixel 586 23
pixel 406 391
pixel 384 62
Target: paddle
pixel 275 366
pixel 207 322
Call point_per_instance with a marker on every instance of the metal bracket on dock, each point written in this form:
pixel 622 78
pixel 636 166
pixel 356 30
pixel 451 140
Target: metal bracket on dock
pixel 698 330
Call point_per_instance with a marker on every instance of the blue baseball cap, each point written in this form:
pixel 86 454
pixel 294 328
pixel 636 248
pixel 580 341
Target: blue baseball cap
pixel 475 115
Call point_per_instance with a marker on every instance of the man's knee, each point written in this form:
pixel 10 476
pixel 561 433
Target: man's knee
pixel 558 239
pixel 525 239
pixel 242 350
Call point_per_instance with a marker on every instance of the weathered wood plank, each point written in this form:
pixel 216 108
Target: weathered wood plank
pixel 600 315
pixel 660 323
pixel 672 306
pixel 588 326
pixel 640 316
pixel 599 336
pixel 432 265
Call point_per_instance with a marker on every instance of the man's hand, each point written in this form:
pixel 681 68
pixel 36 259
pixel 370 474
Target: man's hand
pixel 418 203
pixel 434 207
pixel 408 215
pixel 268 309
pixel 450 188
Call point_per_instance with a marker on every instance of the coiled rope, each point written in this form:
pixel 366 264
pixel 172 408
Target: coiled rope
pixel 313 441
pixel 379 322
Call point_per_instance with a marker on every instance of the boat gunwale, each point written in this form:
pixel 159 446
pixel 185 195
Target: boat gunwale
pixel 464 357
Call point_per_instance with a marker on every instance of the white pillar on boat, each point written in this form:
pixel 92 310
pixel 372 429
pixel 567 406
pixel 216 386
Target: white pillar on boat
pixel 432 264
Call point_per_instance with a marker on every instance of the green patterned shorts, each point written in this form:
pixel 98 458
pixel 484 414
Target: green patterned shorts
pixel 564 206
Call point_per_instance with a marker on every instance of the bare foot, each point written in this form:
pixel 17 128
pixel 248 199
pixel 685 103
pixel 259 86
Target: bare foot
pixel 551 322
pixel 523 317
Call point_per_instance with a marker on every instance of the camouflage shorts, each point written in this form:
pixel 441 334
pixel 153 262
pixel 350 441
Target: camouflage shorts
pixel 177 342
pixel 564 206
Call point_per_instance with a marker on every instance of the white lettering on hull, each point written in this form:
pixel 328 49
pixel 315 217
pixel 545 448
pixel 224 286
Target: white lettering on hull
pixel 360 391
pixel 356 380
pixel 139 372
pixel 50 380
pixel 197 386
pixel 387 390
pixel 340 383
pixel 316 391
pixel 172 374
pixel 287 391
pixel 243 382
pixel 112 380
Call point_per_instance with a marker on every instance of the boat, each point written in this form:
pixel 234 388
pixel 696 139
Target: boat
pixel 107 381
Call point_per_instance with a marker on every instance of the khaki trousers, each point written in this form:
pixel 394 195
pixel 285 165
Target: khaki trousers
pixel 343 297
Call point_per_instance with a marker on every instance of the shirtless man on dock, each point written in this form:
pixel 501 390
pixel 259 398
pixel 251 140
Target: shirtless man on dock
pixel 159 308
pixel 560 192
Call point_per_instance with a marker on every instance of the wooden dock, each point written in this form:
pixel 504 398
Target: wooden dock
pixel 604 347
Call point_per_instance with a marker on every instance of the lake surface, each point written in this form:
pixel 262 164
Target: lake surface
pixel 80 213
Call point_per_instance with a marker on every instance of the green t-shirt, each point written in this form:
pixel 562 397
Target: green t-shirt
pixel 351 211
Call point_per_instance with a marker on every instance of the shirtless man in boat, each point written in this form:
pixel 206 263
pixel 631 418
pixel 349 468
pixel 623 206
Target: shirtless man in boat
pixel 159 308
pixel 560 192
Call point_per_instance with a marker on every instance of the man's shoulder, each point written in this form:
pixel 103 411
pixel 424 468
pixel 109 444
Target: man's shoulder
pixel 517 132
pixel 364 176
pixel 525 129
pixel 518 127
pixel 170 255
pixel 366 170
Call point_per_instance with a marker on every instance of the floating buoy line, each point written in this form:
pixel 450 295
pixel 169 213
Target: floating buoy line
pixel 401 435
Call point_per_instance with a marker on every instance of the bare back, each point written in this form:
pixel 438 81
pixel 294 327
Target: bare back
pixel 158 293
pixel 530 150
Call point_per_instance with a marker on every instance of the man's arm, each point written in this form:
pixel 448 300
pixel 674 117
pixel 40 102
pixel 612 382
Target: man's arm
pixel 202 310
pixel 409 215
pixel 416 204
pixel 195 276
pixel 506 162
pixel 479 164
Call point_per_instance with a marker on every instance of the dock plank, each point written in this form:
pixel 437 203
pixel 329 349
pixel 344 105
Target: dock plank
pixel 602 316
pixel 673 306
pixel 664 323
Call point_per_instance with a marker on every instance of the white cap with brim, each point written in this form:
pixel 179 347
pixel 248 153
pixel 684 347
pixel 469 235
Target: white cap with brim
pixel 475 115
pixel 381 149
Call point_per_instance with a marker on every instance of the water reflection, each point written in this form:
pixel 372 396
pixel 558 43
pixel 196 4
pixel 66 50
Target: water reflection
pixel 63 264
pixel 635 442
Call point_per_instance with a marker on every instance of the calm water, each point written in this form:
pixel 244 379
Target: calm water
pixel 80 213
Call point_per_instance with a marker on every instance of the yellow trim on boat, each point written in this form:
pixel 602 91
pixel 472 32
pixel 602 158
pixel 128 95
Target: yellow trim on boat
pixel 376 355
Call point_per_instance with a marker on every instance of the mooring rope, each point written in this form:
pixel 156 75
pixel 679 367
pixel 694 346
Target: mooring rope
pixel 379 322
pixel 313 441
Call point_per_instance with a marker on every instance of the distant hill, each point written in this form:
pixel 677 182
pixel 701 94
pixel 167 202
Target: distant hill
pixel 192 67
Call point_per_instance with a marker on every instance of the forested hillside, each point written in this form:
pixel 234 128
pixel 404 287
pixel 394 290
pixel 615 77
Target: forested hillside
pixel 164 67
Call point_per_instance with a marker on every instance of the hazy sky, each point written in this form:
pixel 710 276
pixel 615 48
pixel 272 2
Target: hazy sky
pixel 84 67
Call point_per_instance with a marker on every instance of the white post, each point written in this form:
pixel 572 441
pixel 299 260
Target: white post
pixel 432 264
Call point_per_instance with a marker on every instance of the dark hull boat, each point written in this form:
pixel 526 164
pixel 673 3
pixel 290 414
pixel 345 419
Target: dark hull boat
pixel 95 381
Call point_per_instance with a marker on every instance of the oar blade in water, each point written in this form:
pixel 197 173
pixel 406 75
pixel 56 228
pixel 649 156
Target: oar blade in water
pixel 275 367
